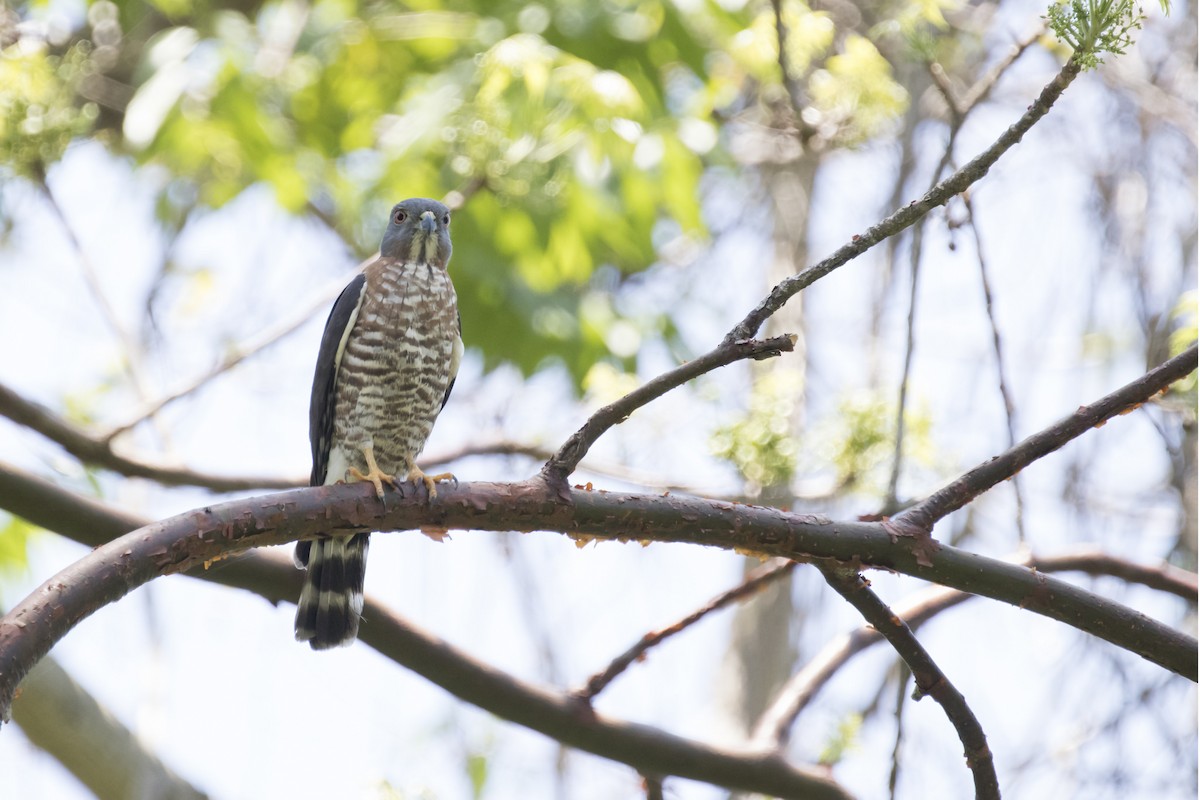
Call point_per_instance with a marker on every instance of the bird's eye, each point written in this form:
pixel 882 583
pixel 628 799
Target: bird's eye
pixel 399 216
pixel 445 219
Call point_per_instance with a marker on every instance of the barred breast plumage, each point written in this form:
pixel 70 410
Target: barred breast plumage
pixel 396 367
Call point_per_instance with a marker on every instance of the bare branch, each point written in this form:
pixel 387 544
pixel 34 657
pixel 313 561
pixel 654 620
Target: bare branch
pixel 555 714
pixel 575 448
pixel 929 677
pixel 958 114
pixel 910 346
pixel 129 348
pixel 998 350
pixel 908 215
pixel 791 85
pixel 92 450
pixel 776 722
pixel 984 86
pixel 758 579
pixel 234 356
pixel 1164 577
pixel 60 717
pixel 963 490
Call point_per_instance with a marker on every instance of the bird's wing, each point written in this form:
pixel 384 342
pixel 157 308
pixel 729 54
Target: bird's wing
pixel 455 359
pixel 329 358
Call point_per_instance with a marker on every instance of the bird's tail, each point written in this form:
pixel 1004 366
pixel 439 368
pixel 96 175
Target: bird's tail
pixel 332 599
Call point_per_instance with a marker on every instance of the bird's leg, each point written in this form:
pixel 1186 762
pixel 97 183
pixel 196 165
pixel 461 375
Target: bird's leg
pixel 415 474
pixel 373 474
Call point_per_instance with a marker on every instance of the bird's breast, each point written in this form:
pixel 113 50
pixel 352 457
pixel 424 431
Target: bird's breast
pixel 396 366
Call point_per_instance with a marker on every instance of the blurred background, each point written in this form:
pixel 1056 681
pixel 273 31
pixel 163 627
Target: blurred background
pixel 187 185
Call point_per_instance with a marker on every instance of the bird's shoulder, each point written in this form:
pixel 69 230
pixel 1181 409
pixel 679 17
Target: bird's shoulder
pixel 376 269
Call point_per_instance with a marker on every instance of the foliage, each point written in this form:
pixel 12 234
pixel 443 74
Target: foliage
pixel 1095 27
pixel 15 535
pixel 760 444
pixel 38 116
pixel 575 135
pixel 846 737
pixel 861 439
pixel 1184 336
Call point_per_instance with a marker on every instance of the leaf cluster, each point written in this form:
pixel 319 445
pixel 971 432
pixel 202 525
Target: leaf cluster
pixel 1093 28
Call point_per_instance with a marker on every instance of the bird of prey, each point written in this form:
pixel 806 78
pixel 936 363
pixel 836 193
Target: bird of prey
pixel 385 368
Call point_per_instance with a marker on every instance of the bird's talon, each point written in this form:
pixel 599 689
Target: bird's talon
pixel 417 476
pixel 374 474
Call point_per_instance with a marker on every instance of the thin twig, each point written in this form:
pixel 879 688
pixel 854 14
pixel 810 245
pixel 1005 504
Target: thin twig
pixel 756 580
pixel 910 341
pixel 982 89
pixel 901 692
pixel 738 343
pixel 904 217
pixel 923 515
pixel 575 448
pixel 959 110
pixel 790 84
pixel 234 356
pixel 129 348
pixel 1001 374
pixel 928 676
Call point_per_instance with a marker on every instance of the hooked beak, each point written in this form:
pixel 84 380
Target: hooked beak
pixel 428 222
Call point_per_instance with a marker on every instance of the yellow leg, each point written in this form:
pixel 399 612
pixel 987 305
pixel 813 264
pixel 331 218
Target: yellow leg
pixel 415 474
pixel 373 474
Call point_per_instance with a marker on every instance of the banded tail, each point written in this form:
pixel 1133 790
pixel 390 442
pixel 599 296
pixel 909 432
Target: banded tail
pixel 332 599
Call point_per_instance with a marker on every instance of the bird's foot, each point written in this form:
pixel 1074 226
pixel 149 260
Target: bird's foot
pixel 373 474
pixel 415 474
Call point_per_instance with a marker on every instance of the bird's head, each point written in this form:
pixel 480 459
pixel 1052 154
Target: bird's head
pixel 419 232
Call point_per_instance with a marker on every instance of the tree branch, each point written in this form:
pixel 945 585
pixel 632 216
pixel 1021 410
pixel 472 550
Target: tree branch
pixel 59 716
pixel 92 450
pixel 760 578
pixel 906 216
pixel 209 534
pixel 929 677
pixel 556 714
pixel 234 356
pixel 564 462
pixel 922 516
pixel 775 725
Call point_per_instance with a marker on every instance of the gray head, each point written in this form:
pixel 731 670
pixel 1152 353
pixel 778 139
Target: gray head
pixel 418 231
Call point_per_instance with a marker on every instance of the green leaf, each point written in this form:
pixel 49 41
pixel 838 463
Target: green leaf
pixel 15 535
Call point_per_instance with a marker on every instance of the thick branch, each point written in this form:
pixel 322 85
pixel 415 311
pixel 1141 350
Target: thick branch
pixel 929 677
pixel 574 449
pixel 555 714
pixel 208 534
pixel 93 450
pixel 908 215
pixel 958 493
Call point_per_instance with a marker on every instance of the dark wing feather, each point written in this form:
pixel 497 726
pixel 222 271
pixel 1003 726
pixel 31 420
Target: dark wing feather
pixel 453 365
pixel 324 390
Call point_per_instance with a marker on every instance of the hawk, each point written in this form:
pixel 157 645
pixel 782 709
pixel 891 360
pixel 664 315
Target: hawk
pixel 385 368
